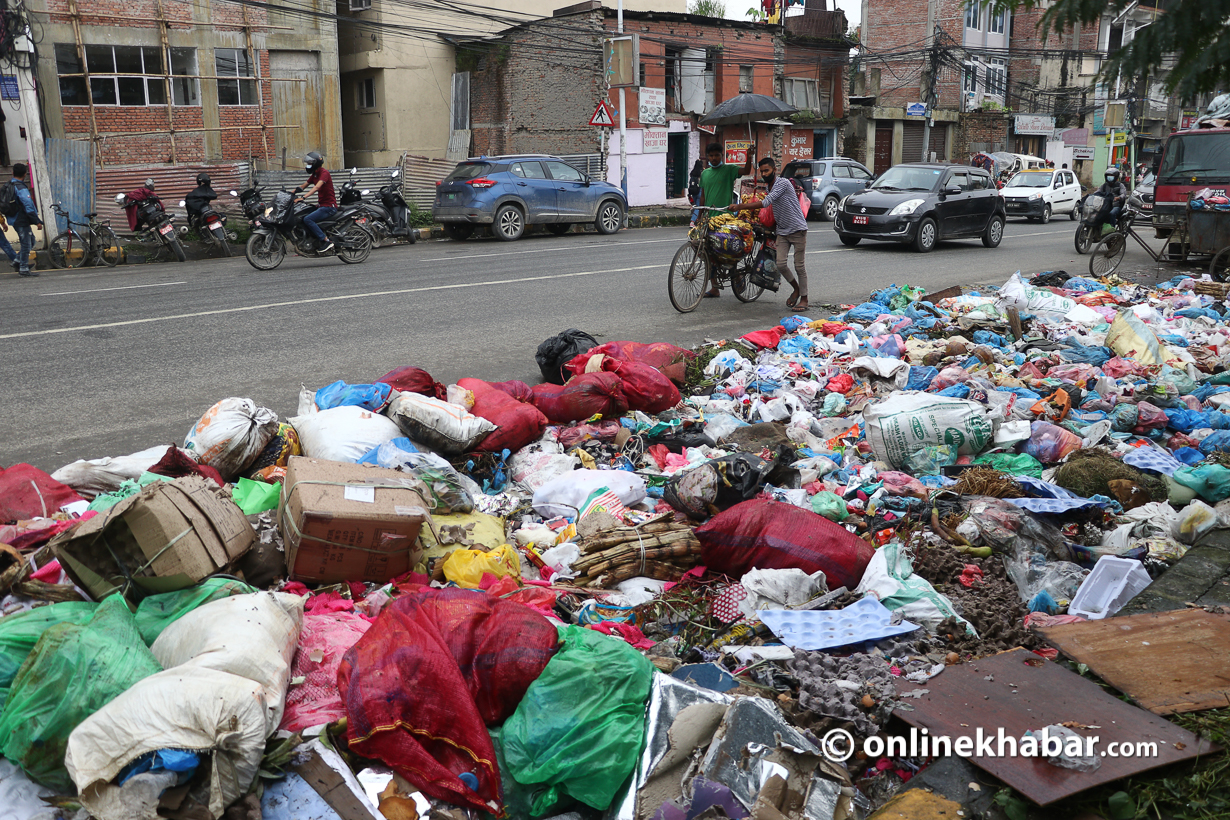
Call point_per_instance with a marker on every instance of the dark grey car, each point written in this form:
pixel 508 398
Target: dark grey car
pixel 827 180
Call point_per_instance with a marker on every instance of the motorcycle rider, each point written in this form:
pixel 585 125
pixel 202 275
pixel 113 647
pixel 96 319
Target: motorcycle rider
pixel 319 182
pixel 199 199
pixel 135 198
pixel 1114 194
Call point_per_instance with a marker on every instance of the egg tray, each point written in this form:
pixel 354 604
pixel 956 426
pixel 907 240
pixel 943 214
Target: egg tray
pixel 865 620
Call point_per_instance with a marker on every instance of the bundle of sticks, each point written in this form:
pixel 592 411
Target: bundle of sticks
pixel 663 550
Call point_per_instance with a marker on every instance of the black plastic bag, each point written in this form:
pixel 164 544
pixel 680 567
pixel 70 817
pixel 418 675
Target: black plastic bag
pixel 557 351
pixel 717 485
pixel 765 273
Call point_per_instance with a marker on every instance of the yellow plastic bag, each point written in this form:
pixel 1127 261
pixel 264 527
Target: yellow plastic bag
pixel 474 530
pixel 466 568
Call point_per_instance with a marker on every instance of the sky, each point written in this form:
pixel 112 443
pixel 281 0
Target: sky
pixel 737 9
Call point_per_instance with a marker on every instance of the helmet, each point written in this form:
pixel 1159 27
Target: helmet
pixel 202 180
pixel 149 183
pixel 313 161
pixel 1112 174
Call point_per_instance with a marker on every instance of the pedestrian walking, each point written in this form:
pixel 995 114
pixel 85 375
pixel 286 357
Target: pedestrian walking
pixel 5 245
pixel 27 216
pixel 783 197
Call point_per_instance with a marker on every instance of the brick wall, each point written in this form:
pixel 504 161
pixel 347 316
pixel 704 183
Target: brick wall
pixel 988 128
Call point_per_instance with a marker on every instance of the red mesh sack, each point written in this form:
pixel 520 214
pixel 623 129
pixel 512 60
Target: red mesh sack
pixel 647 390
pixel 414 380
pixel 518 423
pixel 582 397
pixel 177 464
pixel 327 636
pixel 28 492
pixel 664 357
pixel 520 391
pixel 765 534
pixel 436 669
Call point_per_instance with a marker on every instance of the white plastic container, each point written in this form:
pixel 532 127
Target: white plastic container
pixel 1112 583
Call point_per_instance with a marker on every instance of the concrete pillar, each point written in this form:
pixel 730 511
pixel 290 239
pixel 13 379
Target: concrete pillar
pixel 898 136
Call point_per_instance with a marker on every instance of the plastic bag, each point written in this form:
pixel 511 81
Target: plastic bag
pixel 1050 444
pixel 324 639
pixel 413 380
pixel 830 505
pixel 452 492
pixel 647 390
pixel 255 497
pixel 20 632
pixel 1210 481
pixel 277 454
pixel 564 496
pixel 1012 463
pixel 582 398
pixel 578 731
pixel 466 568
pixel 557 351
pixel 906 422
pixel 156 612
pixel 372 397
pixel 517 423
pixel 890 578
pixel 439 425
pixel 1131 339
pixel 72 673
pixel 343 433
pixel 104 475
pixel 1038 301
pixel 231 435
pixel 1195 521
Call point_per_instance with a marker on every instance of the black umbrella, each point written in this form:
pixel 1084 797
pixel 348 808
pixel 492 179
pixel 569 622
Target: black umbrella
pixel 747 107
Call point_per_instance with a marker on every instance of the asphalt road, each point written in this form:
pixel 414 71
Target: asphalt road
pixel 103 362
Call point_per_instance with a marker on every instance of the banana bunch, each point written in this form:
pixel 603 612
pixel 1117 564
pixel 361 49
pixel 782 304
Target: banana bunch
pixel 724 220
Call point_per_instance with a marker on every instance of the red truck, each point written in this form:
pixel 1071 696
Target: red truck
pixel 1191 161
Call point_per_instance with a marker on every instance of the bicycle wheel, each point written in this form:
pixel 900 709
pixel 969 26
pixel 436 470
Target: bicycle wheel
pixel 686 281
pixel 1105 257
pixel 1219 268
pixel 68 250
pixel 109 252
pixel 741 277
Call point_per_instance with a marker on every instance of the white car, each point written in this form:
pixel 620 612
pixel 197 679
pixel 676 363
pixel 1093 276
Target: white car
pixel 1039 194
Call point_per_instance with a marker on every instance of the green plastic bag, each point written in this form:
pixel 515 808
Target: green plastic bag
pixel 255 497
pixel 72 673
pixel 127 488
pixel 19 633
pixel 1013 464
pixel 157 612
pixel 830 505
pixel 578 732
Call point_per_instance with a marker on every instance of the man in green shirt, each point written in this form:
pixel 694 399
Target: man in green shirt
pixel 717 185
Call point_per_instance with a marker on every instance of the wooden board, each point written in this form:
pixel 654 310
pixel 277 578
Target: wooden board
pixel 1027 692
pixel 1166 661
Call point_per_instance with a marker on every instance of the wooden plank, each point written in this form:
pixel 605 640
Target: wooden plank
pixel 1166 661
pixel 1017 691
pixel 947 293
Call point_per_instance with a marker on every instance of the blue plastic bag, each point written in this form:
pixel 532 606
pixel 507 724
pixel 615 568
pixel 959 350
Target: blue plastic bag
pixel 920 377
pixel 339 394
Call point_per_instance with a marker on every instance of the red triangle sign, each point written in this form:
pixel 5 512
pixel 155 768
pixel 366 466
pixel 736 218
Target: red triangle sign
pixel 603 116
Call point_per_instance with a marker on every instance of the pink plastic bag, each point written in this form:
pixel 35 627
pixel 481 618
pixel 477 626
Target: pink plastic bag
pixel 1149 418
pixel 323 641
pixel 1050 444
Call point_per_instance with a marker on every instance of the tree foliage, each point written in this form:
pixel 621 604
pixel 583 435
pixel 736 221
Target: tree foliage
pixel 708 8
pixel 1196 33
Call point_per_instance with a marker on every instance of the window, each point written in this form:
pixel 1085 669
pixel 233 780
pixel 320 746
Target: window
pixel 960 180
pixel 365 93
pixel 105 64
pixel 858 172
pixel 185 87
pixel 671 72
pixel 642 77
pixel 563 172
pixel 802 94
pixel 977 182
pixel 995 21
pixel 970 81
pixel 745 78
pixel 972 13
pixel 360 5
pixel 1090 66
pixel 234 62
pixel 528 170
pixel 997 78
pixel 841 171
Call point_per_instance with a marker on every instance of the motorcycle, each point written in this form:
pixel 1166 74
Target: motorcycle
pixel 153 221
pixel 389 218
pixel 1094 213
pixel 208 224
pixel 281 223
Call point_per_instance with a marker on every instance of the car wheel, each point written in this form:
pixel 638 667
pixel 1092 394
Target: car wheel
pixel 458 232
pixel 924 240
pixel 994 234
pixel 509 223
pixel 849 240
pixel 831 204
pixel 1046 214
pixel 610 217
pixel 1072 214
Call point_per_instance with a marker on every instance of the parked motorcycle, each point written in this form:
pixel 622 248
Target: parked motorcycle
pixel 208 224
pixel 153 222
pixel 388 218
pixel 281 223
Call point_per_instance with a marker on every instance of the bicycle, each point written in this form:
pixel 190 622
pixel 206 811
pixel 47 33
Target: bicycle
pixel 1107 254
pixel 70 250
pixel 695 266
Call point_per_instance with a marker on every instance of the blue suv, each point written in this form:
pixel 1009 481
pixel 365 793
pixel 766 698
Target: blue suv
pixel 510 192
pixel 827 181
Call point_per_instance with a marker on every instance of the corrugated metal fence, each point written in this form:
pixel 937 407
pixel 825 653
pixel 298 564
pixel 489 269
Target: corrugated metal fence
pixel 172 183
pixel 71 170
pixel 370 179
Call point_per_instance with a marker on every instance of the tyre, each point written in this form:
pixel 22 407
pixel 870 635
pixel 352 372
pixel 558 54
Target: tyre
pixel 265 251
pixel 1046 214
pixel 924 240
pixel 172 242
pixel 994 234
pixel 1083 239
pixel 741 278
pixel 220 241
pixel 559 228
pixel 1219 268
pixel 1104 259
pixel 68 250
pixel 1072 214
pixel 849 240
pixel 829 213
pixel 458 231
pixel 610 217
pixel 509 223
pixel 109 251
pixel 354 245
pixel 687 279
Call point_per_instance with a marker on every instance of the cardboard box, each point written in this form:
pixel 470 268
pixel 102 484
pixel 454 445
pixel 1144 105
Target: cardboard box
pixel 350 522
pixel 169 536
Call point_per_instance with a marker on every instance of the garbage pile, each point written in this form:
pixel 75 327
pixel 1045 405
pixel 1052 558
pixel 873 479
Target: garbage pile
pixel 650 587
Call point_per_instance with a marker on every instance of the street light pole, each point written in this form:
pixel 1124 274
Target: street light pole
pixel 623 116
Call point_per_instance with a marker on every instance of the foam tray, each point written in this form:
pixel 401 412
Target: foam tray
pixel 866 620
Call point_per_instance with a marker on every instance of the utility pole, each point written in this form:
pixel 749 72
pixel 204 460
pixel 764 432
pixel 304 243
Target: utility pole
pixel 36 147
pixel 933 70
pixel 623 117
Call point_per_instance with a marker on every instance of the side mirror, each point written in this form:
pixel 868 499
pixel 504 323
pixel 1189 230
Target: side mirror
pixel 182 203
pixel 234 193
pixel 585 180
pixel 867 184
pixel 354 171
pixel 395 175
pixel 953 189
pixel 365 192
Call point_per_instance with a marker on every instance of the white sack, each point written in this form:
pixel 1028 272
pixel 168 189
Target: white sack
pixel 231 435
pixel 1038 301
pixel 909 421
pixel 99 476
pixel 440 425
pixel 343 433
pixel 532 470
pixel 564 496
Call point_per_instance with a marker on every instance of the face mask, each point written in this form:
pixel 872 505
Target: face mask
pixel 713 163
pixel 768 178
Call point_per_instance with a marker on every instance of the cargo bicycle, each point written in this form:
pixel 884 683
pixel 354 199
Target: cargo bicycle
pixel 710 257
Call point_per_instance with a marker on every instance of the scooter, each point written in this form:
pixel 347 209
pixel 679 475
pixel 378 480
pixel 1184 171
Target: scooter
pixel 208 224
pixel 281 223
pixel 1094 214
pixel 153 221
pixel 390 217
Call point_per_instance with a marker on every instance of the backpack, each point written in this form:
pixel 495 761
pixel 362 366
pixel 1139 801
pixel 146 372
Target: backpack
pixel 10 205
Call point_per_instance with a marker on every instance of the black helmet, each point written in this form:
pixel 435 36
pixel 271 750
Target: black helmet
pixel 202 180
pixel 313 161
pixel 1112 174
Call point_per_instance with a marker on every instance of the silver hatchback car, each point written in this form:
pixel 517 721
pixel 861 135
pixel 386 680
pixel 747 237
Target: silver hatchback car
pixel 827 181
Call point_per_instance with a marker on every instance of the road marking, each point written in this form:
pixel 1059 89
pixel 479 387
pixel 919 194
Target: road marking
pixel 548 250
pixel 100 290
pixel 296 302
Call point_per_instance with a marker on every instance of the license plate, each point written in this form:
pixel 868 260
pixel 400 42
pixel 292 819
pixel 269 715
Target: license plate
pixel 450 196
pixel 213 226
pixel 164 230
pixel 861 220
pixel 362 221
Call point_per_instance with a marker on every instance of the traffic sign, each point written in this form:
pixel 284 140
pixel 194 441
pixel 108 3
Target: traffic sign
pixel 603 116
